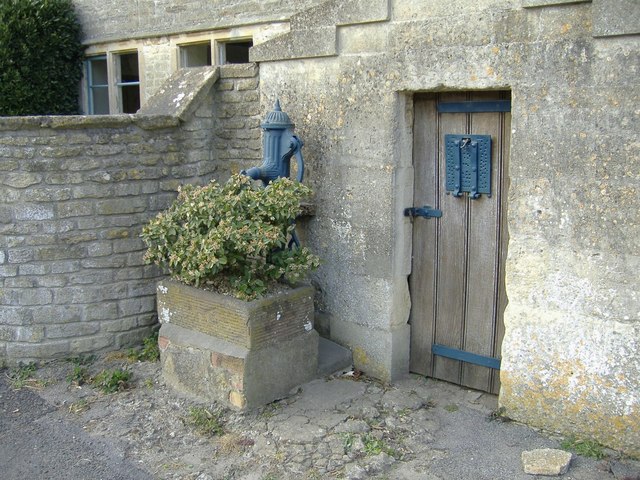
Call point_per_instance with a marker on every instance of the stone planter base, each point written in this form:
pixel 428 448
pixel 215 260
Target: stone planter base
pixel 241 354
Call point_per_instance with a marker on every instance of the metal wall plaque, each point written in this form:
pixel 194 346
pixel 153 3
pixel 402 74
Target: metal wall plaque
pixel 468 164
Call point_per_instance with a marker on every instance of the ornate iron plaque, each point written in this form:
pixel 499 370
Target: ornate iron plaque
pixel 468 164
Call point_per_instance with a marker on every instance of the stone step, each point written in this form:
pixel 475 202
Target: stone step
pixel 332 357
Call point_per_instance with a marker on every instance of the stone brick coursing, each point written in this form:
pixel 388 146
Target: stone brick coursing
pixel 236 140
pixel 76 192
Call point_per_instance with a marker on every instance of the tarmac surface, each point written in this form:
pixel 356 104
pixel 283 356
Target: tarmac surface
pixel 340 426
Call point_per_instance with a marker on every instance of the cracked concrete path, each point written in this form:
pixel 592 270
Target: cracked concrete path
pixel 342 426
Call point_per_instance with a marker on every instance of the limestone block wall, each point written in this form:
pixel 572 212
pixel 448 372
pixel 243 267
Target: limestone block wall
pixel 570 359
pixel 236 139
pixel 75 193
pixel 122 19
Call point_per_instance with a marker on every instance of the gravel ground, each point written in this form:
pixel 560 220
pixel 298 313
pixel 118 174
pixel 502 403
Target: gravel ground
pixel 343 426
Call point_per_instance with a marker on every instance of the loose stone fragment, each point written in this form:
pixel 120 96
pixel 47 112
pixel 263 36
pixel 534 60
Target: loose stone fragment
pixel 353 426
pixel 355 472
pixel 546 461
pixel 380 463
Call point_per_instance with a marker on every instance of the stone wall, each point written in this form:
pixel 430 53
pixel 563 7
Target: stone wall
pixel 236 125
pixel 124 19
pixel 76 192
pixel 571 358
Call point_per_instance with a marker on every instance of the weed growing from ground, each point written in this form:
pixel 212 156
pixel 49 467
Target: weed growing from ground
pixel 313 474
pixel 375 446
pixel 79 376
pixel 403 412
pixel 451 408
pixel 79 406
pixel 205 422
pixel 150 352
pixel 347 442
pixel 271 409
pixel 22 376
pixel 372 445
pixel 80 373
pixel 112 381
pixel 586 448
pixel 499 415
pixel 82 360
pixel 234 443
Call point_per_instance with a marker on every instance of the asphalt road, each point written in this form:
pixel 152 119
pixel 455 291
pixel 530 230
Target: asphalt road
pixel 36 443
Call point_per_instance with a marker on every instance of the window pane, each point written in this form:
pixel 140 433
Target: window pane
pixel 129 68
pixel 99 101
pixel 129 82
pixel 237 52
pixel 198 55
pixel 130 95
pixel 98 71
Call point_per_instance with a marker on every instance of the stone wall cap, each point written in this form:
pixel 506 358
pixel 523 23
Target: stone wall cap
pixel 71 122
pixel 64 121
pixel 239 70
pixel 181 92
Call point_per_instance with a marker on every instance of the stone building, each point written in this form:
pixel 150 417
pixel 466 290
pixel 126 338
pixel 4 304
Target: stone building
pixel 512 122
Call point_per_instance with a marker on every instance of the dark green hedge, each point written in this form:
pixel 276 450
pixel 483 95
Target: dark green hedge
pixel 40 57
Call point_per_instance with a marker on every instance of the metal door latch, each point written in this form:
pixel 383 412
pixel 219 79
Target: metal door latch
pixel 425 211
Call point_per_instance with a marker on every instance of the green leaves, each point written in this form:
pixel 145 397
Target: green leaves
pixel 112 381
pixel 231 237
pixel 40 57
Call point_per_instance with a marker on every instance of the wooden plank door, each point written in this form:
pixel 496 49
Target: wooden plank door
pixel 457 279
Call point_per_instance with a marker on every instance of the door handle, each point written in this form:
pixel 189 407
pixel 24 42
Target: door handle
pixel 425 211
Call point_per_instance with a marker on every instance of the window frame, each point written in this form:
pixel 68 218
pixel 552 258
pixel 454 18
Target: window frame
pixel 90 86
pixel 120 83
pixel 183 49
pixel 221 48
pixel 114 79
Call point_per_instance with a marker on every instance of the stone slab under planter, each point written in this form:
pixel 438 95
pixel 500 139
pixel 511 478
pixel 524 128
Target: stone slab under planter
pixel 242 354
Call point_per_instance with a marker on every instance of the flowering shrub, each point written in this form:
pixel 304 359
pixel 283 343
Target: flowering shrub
pixel 232 238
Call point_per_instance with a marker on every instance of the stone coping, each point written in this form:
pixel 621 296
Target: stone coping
pixel 146 122
pixel 166 109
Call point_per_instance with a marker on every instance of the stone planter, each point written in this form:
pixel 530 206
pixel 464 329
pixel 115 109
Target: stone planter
pixel 242 354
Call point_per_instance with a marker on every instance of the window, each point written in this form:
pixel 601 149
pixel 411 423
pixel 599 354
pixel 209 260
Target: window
pixel 112 84
pixel 128 83
pixel 195 55
pixel 234 51
pixel 98 85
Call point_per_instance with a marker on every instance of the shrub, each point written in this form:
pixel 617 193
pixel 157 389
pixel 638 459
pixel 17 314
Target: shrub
pixel 40 57
pixel 232 238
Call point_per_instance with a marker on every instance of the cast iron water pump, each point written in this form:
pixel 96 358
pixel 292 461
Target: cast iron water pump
pixel 279 145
